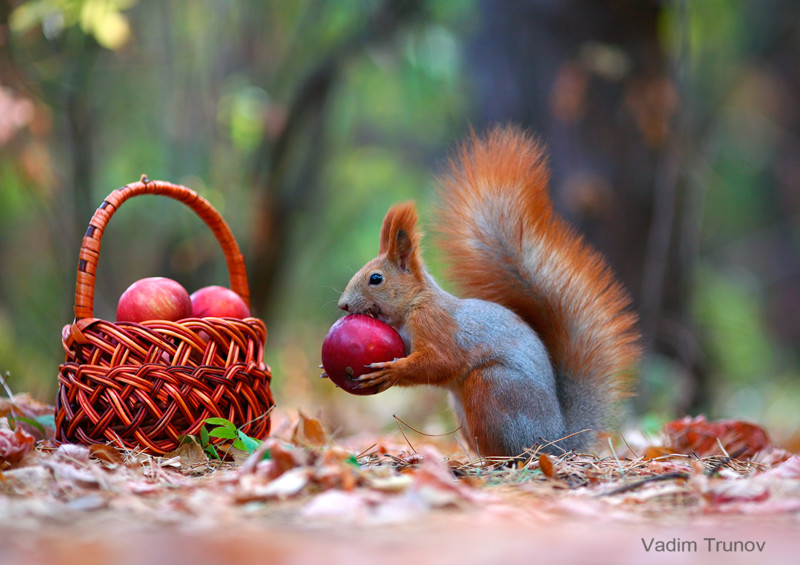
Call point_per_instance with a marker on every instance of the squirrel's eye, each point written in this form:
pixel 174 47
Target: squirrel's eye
pixel 375 278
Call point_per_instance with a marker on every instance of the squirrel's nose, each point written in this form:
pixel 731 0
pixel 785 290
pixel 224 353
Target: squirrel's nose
pixel 344 306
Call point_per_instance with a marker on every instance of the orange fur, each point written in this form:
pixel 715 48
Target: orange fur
pixel 508 246
pixel 437 357
pixel 406 300
pixel 400 237
pixel 427 322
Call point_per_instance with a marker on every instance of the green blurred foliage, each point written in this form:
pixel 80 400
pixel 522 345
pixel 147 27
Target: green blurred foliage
pixel 192 92
pixel 737 104
pixel 191 95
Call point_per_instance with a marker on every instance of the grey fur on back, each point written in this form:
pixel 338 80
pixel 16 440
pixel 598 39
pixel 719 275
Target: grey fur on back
pixel 522 368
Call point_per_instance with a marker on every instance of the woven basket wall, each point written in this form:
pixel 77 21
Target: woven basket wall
pixel 147 385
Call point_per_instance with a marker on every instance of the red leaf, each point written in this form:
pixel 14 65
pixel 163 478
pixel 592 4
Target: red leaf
pixel 739 439
pixel 14 444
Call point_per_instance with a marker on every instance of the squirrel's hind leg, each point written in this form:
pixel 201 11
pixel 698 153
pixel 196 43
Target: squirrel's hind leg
pixel 506 421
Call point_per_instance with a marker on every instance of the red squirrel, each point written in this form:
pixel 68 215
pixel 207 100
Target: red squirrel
pixel 545 342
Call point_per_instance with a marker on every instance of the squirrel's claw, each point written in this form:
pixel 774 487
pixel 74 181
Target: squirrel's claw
pixel 381 376
pixel 379 366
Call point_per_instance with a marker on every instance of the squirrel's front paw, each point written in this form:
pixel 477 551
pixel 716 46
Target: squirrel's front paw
pixel 381 376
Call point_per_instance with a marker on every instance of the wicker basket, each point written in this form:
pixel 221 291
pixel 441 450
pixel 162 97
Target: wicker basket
pixel 145 386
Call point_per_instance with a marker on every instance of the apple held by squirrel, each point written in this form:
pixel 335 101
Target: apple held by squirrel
pixel 543 343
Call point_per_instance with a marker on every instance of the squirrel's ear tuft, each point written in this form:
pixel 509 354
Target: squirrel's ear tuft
pixel 400 236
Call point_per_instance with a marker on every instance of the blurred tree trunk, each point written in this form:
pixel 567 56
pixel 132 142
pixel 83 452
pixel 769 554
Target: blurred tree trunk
pixel 591 78
pixel 69 91
pixel 286 173
pixel 80 125
pixel 776 63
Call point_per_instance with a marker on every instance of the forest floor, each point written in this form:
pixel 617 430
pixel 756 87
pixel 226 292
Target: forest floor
pixel 302 497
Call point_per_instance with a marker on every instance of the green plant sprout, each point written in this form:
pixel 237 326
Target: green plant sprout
pixel 224 429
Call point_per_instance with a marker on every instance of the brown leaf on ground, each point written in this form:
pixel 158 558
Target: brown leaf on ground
pixel 546 466
pixel 656 451
pixel 107 454
pixel 789 469
pixel 738 439
pixel 309 432
pixel 189 457
pixel 344 506
pixel 14 445
pixel 23 405
pixel 433 481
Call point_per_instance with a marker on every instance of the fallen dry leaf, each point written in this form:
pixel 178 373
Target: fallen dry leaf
pixel 789 469
pixel 309 432
pixel 343 506
pixel 14 444
pixel 546 466
pixel 434 481
pixel 739 439
pixel 25 406
pixel 107 454
pixel 189 457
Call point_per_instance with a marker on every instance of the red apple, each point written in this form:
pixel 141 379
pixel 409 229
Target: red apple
pixel 154 298
pixel 355 341
pixel 219 302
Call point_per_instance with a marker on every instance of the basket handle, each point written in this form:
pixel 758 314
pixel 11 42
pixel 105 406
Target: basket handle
pixel 90 247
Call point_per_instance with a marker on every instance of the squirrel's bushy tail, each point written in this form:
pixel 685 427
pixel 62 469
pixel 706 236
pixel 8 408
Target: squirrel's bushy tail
pixel 505 244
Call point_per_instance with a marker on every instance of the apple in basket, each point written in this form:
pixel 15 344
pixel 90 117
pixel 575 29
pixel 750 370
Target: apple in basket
pixel 154 298
pixel 219 302
pixel 352 343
